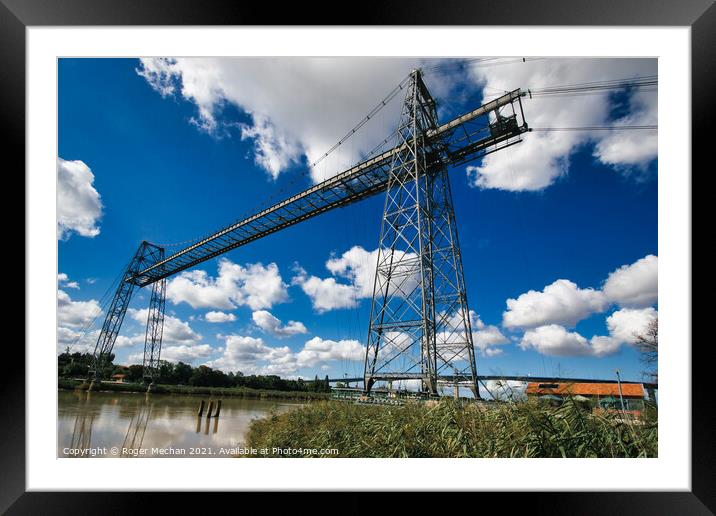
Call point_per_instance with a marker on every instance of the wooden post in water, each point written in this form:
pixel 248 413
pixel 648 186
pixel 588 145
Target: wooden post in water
pixel 218 409
pixel 211 406
pixel 201 408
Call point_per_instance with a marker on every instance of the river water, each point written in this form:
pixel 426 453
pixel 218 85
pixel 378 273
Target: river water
pixel 104 424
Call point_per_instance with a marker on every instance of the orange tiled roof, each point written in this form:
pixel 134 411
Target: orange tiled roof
pixel 586 389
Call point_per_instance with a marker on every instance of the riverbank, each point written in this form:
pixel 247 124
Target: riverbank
pixel 449 429
pixel 240 392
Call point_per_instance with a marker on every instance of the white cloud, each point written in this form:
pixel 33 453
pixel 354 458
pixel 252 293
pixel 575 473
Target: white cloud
pixel 327 294
pixel 562 302
pixel 627 323
pixel 77 341
pixel 326 98
pixel 274 151
pixel 219 317
pixel 555 340
pixel 543 157
pixel 252 355
pixel 79 206
pixel 358 267
pixel 271 324
pixel 255 285
pixel 623 149
pixel 187 353
pixel 486 337
pixel 180 343
pixel 318 351
pixel 635 285
pixel 176 331
pixel 75 314
pixel 64 281
pixel 624 325
pixel 127 342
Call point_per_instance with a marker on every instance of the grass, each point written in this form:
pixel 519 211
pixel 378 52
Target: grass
pixel 449 429
pixel 241 392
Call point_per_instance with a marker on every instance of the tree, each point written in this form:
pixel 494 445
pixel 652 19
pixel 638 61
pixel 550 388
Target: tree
pixel 647 343
pixel 182 373
pixel 135 373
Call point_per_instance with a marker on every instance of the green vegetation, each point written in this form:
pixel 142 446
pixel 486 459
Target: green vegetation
pixel 242 392
pixel 451 429
pixel 77 365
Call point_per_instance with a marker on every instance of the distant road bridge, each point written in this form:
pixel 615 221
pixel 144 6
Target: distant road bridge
pixel 447 379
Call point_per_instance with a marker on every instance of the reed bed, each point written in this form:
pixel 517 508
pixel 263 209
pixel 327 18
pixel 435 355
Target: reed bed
pixel 457 429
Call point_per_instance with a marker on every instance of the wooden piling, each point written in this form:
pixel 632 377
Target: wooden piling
pixel 208 412
pixel 218 409
pixel 201 408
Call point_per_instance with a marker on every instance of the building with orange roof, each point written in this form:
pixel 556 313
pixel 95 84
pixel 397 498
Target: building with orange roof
pixel 604 395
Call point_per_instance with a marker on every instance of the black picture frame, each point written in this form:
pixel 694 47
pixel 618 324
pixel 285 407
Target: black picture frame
pixel 17 15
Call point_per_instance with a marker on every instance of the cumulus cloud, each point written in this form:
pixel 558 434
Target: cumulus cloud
pixel 543 157
pixel 635 285
pixel 626 324
pixel 625 149
pixel 327 97
pixel 75 314
pixel 483 335
pixel 65 282
pixel 562 302
pixel 254 285
pixel 79 206
pixel 555 340
pixel 175 332
pixel 77 341
pixel 252 355
pixel 486 339
pixel 273 325
pixel 189 354
pixel 318 351
pixel 219 317
pixel 180 343
pixel 357 266
pixel 326 293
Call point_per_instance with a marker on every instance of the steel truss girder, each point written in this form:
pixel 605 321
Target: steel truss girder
pixel 147 254
pixel 155 328
pixel 464 138
pixel 420 322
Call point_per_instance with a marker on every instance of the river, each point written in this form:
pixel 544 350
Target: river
pixel 104 424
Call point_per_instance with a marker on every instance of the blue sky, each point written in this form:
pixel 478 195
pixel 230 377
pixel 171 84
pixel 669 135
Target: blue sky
pixel 173 150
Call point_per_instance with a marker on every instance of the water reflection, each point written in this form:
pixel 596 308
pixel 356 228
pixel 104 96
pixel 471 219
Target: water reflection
pixel 142 425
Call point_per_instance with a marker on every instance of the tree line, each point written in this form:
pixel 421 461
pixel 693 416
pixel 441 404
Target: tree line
pixel 77 365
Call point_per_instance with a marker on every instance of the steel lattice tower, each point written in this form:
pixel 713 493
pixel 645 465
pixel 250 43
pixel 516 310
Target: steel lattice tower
pixel 155 328
pixel 420 323
pixel 147 255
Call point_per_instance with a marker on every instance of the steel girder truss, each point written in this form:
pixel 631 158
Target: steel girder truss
pixel 420 324
pixel 491 127
pixel 147 254
pixel 155 328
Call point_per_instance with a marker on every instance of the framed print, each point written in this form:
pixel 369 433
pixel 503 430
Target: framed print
pixel 446 241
